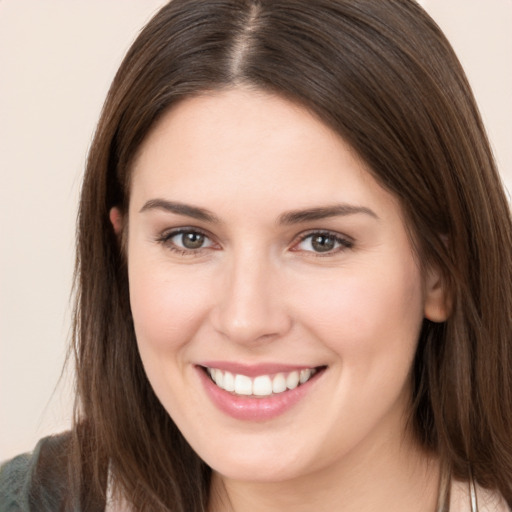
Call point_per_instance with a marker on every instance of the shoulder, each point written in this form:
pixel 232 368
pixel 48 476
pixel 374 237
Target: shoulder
pixel 14 476
pixel 36 481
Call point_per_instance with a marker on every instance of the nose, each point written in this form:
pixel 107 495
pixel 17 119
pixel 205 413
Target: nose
pixel 251 306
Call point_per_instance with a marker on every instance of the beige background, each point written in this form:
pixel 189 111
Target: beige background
pixel 57 58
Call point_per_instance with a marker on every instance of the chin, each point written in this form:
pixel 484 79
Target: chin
pixel 256 463
pixel 262 472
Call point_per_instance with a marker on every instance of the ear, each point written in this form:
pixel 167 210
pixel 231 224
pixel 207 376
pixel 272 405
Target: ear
pixel 437 298
pixel 116 219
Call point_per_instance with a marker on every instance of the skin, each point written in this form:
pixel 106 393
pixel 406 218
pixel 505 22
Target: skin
pixel 257 291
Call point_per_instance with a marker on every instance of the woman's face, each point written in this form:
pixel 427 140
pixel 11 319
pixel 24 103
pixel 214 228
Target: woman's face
pixel 262 253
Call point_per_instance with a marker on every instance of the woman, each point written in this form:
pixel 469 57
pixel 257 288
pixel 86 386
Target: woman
pixel 293 276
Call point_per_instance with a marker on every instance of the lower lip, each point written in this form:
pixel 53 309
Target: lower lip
pixel 249 408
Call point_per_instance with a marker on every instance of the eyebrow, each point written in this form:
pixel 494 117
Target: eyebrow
pixel 287 218
pixel 311 214
pixel 180 209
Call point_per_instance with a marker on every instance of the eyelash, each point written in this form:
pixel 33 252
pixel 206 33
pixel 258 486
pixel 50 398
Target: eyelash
pixel 165 239
pixel 343 242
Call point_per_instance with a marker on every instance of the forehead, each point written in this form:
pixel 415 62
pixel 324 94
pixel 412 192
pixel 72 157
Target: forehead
pixel 236 122
pixel 252 148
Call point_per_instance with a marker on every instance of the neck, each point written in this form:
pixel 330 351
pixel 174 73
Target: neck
pixel 403 479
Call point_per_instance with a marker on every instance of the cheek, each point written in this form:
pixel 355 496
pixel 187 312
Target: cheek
pixel 167 307
pixel 367 312
pixel 370 321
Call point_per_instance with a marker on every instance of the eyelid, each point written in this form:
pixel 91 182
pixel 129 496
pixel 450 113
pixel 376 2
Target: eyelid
pixel 346 242
pixel 165 237
pixel 170 232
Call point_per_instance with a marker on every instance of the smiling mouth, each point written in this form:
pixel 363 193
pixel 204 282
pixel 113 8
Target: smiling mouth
pixel 262 385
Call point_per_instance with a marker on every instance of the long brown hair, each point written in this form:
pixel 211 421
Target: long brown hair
pixel 383 76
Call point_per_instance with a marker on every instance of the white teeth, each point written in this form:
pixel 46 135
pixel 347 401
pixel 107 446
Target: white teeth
pixel 292 381
pixel 305 375
pixel 243 385
pixel 219 378
pixel 279 383
pixel 263 385
pixel 229 381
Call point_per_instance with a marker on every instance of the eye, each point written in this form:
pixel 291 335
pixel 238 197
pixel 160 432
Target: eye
pixel 323 242
pixel 186 240
pixel 190 240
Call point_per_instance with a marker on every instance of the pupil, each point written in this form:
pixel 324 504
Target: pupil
pixel 323 243
pixel 193 240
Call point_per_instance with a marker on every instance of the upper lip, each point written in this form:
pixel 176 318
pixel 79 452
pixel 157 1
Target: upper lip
pixel 254 370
